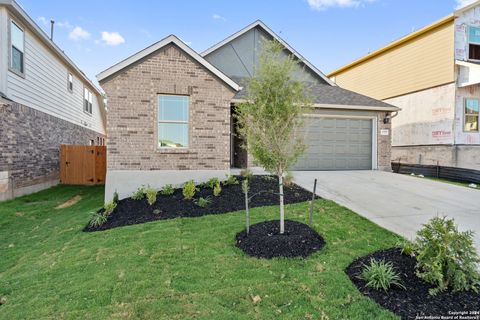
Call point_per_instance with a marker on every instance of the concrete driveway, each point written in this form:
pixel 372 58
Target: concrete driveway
pixel 397 202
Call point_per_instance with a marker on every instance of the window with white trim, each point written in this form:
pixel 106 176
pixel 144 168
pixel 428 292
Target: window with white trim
pixel 173 121
pixel 70 82
pixel 17 38
pixel 87 100
pixel 474 43
pixel 471 114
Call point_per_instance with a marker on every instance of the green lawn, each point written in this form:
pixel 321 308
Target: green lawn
pixel 174 269
pixel 457 183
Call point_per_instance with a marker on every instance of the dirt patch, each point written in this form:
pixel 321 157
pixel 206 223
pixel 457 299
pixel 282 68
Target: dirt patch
pixel 69 202
pixel 129 211
pixel 265 241
pixel 414 302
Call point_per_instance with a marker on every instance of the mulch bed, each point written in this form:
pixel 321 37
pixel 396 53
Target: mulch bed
pixel 414 302
pixel 265 241
pixel 129 211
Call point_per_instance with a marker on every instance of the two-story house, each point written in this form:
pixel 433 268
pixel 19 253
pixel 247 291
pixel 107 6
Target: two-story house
pixel 433 75
pixel 45 101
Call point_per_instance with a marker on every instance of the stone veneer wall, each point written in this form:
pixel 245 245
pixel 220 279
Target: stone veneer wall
pixel 30 148
pixel 133 106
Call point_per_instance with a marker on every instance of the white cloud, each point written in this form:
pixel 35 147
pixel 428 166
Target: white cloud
pixel 324 4
pixel 78 34
pixel 112 38
pixel 218 17
pixel 464 3
pixel 42 20
pixel 64 24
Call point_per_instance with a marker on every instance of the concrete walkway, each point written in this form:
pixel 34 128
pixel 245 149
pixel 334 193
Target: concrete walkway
pixel 397 202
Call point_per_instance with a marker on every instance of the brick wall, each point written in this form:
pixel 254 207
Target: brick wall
pixel 30 145
pixel 384 146
pixel 132 114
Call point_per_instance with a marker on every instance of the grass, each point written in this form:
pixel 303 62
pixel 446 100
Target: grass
pixel 457 183
pixel 174 269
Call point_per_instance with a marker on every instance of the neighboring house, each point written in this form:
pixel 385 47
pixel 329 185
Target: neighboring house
pixel 170 115
pixel 433 75
pixel 45 101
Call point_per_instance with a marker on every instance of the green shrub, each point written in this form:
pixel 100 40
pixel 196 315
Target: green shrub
pixel 246 173
pixel 151 194
pixel 167 190
pixel 217 189
pixel 115 197
pixel 212 183
pixel 97 220
pixel 203 202
pixel 189 189
pixel 446 257
pixel 407 247
pixel 380 275
pixel 139 194
pixel 109 207
pixel 231 180
pixel 288 179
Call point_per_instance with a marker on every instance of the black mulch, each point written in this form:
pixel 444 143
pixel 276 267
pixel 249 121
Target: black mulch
pixel 129 211
pixel 415 300
pixel 265 241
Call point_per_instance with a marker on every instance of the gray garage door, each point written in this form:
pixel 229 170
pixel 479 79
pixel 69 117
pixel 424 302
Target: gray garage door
pixel 337 144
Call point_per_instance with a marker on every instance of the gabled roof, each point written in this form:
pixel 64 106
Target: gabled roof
pixel 466 8
pixel 158 45
pixel 262 25
pixel 17 9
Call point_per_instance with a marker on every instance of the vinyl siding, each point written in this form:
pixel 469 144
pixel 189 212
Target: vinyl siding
pixel 44 87
pixel 423 62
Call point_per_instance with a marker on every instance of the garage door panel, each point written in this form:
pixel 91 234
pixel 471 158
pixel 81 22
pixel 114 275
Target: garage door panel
pixel 336 144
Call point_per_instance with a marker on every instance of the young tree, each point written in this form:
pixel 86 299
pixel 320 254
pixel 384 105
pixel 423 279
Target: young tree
pixel 272 114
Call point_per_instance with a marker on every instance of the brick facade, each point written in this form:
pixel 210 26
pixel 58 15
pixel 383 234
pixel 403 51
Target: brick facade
pixel 133 106
pixel 30 146
pixel 384 143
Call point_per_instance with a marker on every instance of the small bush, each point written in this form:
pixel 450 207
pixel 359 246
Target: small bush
pixel 157 211
pixel 203 202
pixel 288 179
pixel 380 275
pixel 139 194
pixel 246 173
pixel 151 194
pixel 212 183
pixel 115 196
pixel 217 189
pixel 189 189
pixel 407 247
pixel 446 257
pixel 109 207
pixel 97 220
pixel 167 190
pixel 231 180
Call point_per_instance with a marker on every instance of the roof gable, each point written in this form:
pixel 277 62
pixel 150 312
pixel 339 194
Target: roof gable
pixel 157 46
pixel 239 37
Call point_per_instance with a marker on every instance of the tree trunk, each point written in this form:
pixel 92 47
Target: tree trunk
pixel 282 209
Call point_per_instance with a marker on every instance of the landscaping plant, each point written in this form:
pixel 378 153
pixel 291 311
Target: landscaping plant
pixel 272 114
pixel 446 257
pixel 139 194
pixel 203 202
pixel 217 189
pixel 115 196
pixel 246 173
pixel 231 180
pixel 381 275
pixel 288 179
pixel 167 190
pixel 211 183
pixel 97 219
pixel 109 207
pixel 189 189
pixel 151 194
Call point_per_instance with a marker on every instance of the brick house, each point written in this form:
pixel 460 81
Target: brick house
pixel 45 101
pixel 170 115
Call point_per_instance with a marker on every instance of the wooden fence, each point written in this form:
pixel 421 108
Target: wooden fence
pixel 85 165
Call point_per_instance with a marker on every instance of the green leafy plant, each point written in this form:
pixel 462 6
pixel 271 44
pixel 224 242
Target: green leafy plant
pixel 407 247
pixel 288 179
pixel 157 211
pixel 212 183
pixel 139 194
pixel 167 190
pixel 115 196
pixel 109 207
pixel 231 180
pixel 151 194
pixel 245 186
pixel 189 189
pixel 97 219
pixel 217 189
pixel 380 275
pixel 203 202
pixel 446 257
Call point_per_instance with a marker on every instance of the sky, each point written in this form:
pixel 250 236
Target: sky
pixel 96 34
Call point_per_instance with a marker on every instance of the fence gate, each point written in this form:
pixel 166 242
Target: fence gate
pixel 84 165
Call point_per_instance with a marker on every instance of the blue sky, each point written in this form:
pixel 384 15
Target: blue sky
pixel 329 33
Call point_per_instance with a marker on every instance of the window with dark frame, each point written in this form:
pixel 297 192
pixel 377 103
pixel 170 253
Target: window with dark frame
pixel 70 82
pixel 87 101
pixel 17 37
pixel 471 115
pixel 474 43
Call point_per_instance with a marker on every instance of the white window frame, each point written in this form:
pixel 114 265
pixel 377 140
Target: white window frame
pixel 173 122
pixel 70 82
pixel 465 114
pixel 87 101
pixel 11 46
